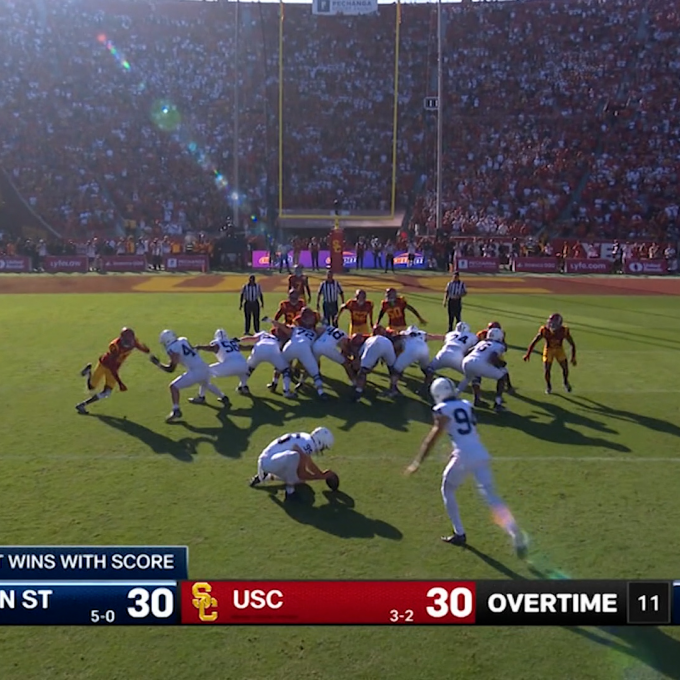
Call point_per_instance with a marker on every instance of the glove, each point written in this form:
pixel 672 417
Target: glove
pixel 154 360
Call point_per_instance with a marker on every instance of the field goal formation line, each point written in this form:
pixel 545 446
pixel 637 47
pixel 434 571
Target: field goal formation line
pixel 337 218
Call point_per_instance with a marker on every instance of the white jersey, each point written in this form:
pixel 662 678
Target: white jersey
pixel 415 339
pixel 460 341
pixel 331 337
pixel 483 350
pixel 264 338
pixel 462 428
pixel 286 443
pixel 226 349
pixel 188 356
pixel 302 336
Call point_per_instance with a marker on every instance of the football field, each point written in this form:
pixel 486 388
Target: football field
pixel 593 476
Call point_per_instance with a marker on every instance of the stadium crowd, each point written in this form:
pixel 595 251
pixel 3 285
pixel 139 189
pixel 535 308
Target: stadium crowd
pixel 117 112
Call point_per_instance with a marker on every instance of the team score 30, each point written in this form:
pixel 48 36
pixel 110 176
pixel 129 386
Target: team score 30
pixel 159 603
pixel 405 617
pixel 457 602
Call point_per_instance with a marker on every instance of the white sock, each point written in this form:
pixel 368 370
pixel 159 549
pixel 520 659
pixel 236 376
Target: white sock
pixel 451 505
pixel 214 389
pixel 286 383
pixel 290 488
pixel 175 407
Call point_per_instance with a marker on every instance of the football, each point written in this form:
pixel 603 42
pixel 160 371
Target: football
pixel 333 481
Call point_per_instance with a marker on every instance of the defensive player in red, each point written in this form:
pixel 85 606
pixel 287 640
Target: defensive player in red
pixel 395 307
pixel 554 332
pixel 290 308
pixel 299 282
pixel 108 367
pixel 361 313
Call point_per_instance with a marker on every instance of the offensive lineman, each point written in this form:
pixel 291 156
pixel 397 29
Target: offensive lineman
pixel 485 361
pixel 369 350
pixel 181 352
pixel 333 343
pixel 456 417
pixel 456 346
pixel 267 348
pixel 414 351
pixel 230 362
pixel 289 458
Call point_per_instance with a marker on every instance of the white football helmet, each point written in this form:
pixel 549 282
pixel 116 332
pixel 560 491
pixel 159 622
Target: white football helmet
pixel 323 439
pixel 443 389
pixel 167 337
pixel 411 330
pixel 221 335
pixel 495 335
pixel 462 327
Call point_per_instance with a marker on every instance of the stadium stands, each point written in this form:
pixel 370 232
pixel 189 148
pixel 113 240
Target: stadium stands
pixel 114 111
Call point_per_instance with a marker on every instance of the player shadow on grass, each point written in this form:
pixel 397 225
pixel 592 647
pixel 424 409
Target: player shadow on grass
pixel 338 516
pixel 229 440
pixel 181 450
pixel 649 422
pixel 557 430
pixel 649 646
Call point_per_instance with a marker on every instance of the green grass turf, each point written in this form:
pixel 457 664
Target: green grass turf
pixel 582 472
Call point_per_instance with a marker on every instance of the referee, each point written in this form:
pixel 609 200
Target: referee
pixel 330 290
pixel 251 303
pixel 453 299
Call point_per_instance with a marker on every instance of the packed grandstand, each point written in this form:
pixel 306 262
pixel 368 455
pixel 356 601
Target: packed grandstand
pixel 559 116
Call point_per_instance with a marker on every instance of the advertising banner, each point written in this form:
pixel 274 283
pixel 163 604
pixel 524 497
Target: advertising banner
pixel 14 264
pixel 261 259
pixel 123 263
pixel 587 266
pixel 344 7
pixel 186 263
pixel 535 265
pixel 645 267
pixel 65 263
pixel 478 265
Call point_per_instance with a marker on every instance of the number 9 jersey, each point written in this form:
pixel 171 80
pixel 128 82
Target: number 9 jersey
pixel 462 429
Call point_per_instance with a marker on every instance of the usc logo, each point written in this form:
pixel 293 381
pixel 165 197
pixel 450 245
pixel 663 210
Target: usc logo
pixel 337 247
pixel 203 601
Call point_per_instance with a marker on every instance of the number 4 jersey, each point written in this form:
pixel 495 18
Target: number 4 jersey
pixel 187 355
pixel 462 429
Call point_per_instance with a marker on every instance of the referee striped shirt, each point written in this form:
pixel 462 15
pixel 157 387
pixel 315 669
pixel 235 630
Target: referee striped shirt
pixel 251 292
pixel 455 289
pixel 330 291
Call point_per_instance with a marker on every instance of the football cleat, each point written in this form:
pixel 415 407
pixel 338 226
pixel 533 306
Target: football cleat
pixel 272 386
pixel 291 496
pixel 356 397
pixel 567 387
pixel 499 408
pixel 479 403
pixel 224 400
pixel 548 390
pixel 81 409
pixel 290 395
pixel 323 396
pixel 175 414
pixel 455 539
pixel 255 481
pixel 521 545
pixel 86 371
pixel 196 400
pixel 243 389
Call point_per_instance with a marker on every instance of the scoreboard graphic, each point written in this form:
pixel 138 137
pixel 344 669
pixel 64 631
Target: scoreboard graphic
pixel 135 585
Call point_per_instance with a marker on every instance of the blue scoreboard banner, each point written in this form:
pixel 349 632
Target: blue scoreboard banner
pixel 101 563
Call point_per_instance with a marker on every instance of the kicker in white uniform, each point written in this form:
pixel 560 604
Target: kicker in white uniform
pixel 456 418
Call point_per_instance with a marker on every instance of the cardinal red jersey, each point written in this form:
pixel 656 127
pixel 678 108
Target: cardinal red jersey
pixel 289 310
pixel 395 312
